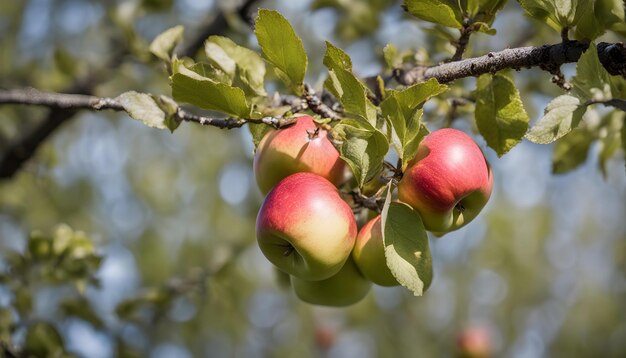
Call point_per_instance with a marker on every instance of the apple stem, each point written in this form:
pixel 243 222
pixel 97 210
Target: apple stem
pixel 313 133
pixel 460 207
pixel 288 251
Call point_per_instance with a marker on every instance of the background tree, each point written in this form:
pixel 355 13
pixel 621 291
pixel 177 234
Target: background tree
pixel 162 260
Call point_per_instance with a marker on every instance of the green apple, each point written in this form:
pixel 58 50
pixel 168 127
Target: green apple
pixel 448 182
pixel 301 147
pixel 347 287
pixel 305 228
pixel 369 254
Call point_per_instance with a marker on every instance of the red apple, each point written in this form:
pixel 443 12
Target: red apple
pixel 369 254
pixel 448 182
pixel 301 147
pixel 474 342
pixel 305 228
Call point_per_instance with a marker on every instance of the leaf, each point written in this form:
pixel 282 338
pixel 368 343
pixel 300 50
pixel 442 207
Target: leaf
pixel 80 307
pixel 244 66
pixel 344 85
pixel 403 110
pixel 142 107
pixel 336 58
pixel 390 54
pixel 258 131
pixel 561 115
pixel 559 14
pixel 444 12
pixel 571 150
pixel 406 247
pixel 282 48
pixel 592 81
pixel 43 340
pixel 187 86
pixel 500 114
pixel 163 45
pixel 363 148
pixel 611 137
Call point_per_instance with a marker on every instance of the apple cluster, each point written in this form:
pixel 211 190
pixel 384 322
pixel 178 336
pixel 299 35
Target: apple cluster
pixel 307 230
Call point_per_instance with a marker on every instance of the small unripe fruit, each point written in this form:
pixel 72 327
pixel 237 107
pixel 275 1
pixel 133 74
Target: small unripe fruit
pixel 369 254
pixel 345 288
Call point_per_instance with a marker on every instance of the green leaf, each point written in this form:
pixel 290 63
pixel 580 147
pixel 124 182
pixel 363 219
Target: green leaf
pixel 403 110
pixel 560 116
pixel 500 114
pixel 589 26
pixel 445 12
pixel 336 58
pixel 258 131
pixel 43 340
pixel 244 66
pixel 163 45
pixel 282 48
pixel 611 137
pixel 352 94
pixel 142 107
pixel 592 81
pixel 559 14
pixel 571 150
pixel 363 148
pixel 392 59
pixel 80 307
pixel 187 86
pixel 484 10
pixel 406 247
pixel 344 85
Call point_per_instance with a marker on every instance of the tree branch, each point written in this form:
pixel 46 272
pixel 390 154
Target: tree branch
pixel 73 102
pixel 612 57
pixel 461 44
pixel 317 106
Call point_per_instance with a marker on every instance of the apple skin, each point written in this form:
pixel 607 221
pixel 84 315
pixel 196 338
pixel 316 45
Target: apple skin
pixel 448 182
pixel 301 147
pixel 474 342
pixel 305 228
pixel 369 254
pixel 345 288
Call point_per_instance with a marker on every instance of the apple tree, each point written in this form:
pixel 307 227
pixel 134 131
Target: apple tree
pixel 324 153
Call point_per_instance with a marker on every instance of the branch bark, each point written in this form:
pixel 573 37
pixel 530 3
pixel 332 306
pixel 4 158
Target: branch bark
pixel 612 57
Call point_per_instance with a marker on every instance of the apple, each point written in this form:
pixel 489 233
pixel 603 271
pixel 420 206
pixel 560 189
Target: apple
pixel 347 287
pixel 369 254
pixel 448 182
pixel 305 228
pixel 301 147
pixel 474 342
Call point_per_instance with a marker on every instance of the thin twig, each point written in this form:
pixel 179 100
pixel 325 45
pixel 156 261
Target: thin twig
pixel 461 44
pixel 317 106
pixel 75 102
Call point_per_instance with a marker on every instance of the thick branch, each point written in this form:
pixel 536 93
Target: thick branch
pixel 612 56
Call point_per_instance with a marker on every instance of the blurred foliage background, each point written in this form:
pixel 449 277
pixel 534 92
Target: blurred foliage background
pixel 163 262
